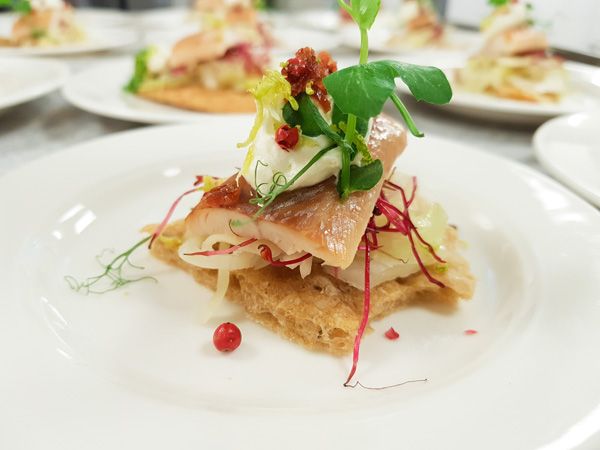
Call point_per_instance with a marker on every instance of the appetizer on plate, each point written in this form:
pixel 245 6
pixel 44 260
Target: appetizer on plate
pixel 515 60
pixel 42 23
pixel 317 234
pixel 210 70
pixel 418 25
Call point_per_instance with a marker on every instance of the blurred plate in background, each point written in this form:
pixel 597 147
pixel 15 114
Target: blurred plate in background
pixel 27 79
pixel 585 96
pixel 99 90
pixel 104 18
pixel 569 148
pixel 286 39
pixel 98 39
pixel 459 42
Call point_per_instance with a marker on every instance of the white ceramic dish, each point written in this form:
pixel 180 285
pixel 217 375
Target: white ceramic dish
pixel 316 19
pixel 286 40
pixel 27 79
pixel 136 369
pixel 104 17
pixel 89 17
pixel 584 96
pixel 99 38
pixel 569 148
pixel 99 90
pixel 458 45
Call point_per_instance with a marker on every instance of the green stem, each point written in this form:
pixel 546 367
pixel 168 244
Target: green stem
pixel 351 125
pixel 273 195
pixel 364 46
pixel 406 116
pixel 345 174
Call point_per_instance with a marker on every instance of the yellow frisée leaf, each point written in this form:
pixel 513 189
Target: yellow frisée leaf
pixel 270 92
pixel 210 183
pixel 170 242
pixel 248 160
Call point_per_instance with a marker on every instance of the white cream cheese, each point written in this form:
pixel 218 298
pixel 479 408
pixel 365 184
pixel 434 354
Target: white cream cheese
pixel 271 161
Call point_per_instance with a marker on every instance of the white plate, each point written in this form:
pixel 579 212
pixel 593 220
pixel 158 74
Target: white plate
pixel 98 39
pixel 135 369
pixel 316 19
pixel 164 19
pixel 584 96
pixel 286 39
pixel 27 79
pixel 104 17
pixel 569 148
pixel 459 44
pixel 99 90
pixel 89 17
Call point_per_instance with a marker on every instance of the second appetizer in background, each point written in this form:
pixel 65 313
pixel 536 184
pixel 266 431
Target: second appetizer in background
pixel 42 23
pixel 211 70
pixel 418 26
pixel 515 60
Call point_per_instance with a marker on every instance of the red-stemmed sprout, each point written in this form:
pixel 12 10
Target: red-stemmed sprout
pixel 397 221
pixel 267 255
pixel 158 231
pixel 367 247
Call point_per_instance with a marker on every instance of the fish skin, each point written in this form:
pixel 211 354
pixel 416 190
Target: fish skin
pixel 311 219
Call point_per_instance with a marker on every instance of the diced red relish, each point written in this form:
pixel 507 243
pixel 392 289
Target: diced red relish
pixel 305 72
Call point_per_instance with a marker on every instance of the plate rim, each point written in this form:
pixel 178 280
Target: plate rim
pixel 70 94
pixel 140 401
pixel 41 89
pixel 127 37
pixel 540 153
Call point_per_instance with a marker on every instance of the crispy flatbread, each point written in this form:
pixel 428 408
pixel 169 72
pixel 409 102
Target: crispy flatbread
pixel 197 98
pixel 321 312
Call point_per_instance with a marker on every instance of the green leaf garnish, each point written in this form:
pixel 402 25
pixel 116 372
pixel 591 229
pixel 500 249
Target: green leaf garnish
pixel 38 33
pixel 140 71
pixel 304 117
pixel 363 90
pixel 364 12
pixel 18 6
pixel 112 277
pixel 363 178
pixel 338 117
pixel 498 3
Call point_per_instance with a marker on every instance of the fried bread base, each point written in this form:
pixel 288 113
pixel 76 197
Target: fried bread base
pixel 197 98
pixel 321 312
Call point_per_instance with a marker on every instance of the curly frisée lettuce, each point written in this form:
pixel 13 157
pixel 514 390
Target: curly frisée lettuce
pixel 270 93
pixel 140 72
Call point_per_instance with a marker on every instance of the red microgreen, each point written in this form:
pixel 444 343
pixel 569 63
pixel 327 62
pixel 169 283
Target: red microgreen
pixel 392 334
pixel 170 212
pixel 403 223
pixel 267 255
pixel 470 332
pixel 224 251
pixel 366 307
